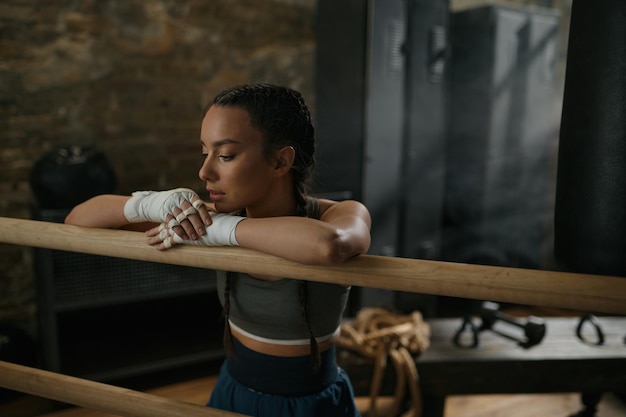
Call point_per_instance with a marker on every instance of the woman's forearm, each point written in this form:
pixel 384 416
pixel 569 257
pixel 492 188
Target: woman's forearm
pixel 304 240
pixel 106 211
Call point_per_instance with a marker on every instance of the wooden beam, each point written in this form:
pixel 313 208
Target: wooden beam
pixel 589 293
pixel 98 396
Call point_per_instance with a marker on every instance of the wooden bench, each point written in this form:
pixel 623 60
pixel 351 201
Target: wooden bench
pixel 560 363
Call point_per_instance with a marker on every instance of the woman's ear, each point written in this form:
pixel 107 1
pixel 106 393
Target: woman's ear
pixel 284 160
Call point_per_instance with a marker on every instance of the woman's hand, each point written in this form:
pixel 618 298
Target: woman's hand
pixel 220 231
pixel 189 222
pixel 155 206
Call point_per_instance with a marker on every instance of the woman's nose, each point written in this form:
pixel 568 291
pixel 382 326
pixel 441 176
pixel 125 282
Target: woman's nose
pixel 206 172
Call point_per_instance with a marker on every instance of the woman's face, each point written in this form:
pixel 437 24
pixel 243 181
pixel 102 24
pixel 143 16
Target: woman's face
pixel 235 170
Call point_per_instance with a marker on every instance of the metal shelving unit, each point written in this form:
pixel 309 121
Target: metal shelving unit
pixel 106 318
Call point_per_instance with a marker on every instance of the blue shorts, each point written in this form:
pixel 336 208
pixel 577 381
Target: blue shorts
pixel 269 390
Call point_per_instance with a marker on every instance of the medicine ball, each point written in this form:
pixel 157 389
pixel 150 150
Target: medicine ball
pixel 67 176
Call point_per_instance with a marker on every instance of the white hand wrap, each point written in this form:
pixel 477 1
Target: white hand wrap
pixel 220 233
pixel 155 205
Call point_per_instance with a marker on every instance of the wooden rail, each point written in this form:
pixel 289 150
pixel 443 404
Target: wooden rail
pixel 583 292
pixel 98 396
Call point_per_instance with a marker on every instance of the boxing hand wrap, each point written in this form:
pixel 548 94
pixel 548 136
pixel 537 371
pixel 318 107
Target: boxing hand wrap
pixel 220 233
pixel 155 205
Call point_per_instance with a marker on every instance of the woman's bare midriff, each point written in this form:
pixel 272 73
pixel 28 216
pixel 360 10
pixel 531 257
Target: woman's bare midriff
pixel 279 350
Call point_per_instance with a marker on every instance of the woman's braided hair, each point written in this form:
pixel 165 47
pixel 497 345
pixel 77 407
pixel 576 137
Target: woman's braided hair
pixel 283 118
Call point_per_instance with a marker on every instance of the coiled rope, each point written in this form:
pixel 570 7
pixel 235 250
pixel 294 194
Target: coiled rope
pixel 379 334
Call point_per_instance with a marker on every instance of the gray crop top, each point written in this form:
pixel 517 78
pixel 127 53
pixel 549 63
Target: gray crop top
pixel 272 310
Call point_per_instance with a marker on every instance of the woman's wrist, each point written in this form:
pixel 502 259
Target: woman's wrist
pixel 220 233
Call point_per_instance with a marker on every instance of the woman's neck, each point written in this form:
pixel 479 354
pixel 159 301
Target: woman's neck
pixel 281 201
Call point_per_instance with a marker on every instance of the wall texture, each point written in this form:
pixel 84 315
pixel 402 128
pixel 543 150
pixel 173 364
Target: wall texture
pixel 131 78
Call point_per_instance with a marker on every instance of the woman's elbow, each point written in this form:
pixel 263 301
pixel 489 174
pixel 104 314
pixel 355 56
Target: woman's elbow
pixel 338 249
pixel 72 218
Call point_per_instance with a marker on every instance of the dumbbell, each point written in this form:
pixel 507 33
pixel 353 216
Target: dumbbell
pixel 534 327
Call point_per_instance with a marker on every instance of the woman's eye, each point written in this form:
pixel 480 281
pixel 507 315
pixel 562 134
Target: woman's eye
pixel 227 157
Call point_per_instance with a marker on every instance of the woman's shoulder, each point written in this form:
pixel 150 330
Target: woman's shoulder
pixel 346 206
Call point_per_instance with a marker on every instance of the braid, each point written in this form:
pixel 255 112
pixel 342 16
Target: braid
pixel 228 336
pixel 300 192
pixel 316 359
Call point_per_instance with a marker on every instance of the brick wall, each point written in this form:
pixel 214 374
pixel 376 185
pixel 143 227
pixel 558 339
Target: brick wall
pixel 131 78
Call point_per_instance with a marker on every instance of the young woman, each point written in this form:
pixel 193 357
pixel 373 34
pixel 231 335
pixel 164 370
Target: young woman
pixel 258 155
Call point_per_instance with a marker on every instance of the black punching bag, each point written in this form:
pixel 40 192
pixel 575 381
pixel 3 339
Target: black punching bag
pixel 590 210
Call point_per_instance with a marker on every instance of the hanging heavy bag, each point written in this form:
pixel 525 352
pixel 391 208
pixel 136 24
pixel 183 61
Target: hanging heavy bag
pixel 590 210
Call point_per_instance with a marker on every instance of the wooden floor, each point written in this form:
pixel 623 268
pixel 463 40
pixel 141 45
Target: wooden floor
pixel 197 391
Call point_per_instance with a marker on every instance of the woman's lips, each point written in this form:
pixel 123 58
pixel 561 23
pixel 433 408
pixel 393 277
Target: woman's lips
pixel 215 196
